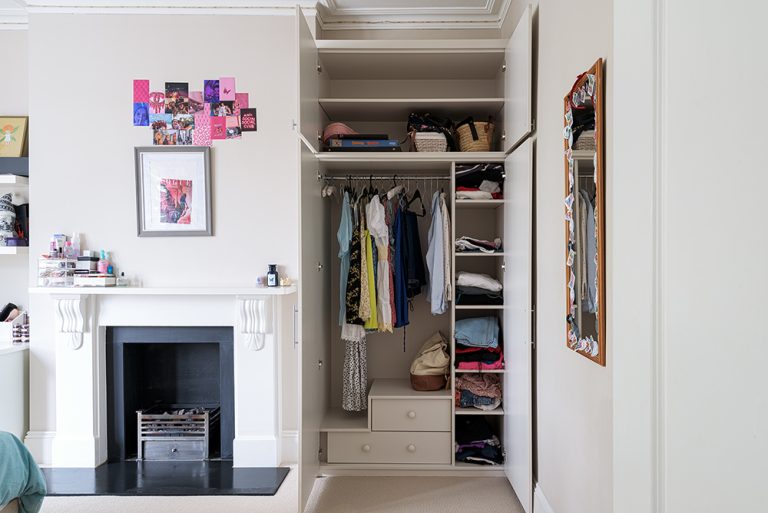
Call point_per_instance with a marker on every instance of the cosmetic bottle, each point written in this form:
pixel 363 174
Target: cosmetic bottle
pixel 75 245
pixel 103 265
pixel 122 281
pixel 273 279
pixel 69 251
pixel 53 252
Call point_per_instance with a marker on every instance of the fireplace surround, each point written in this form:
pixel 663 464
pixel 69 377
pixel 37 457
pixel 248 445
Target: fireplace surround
pixel 79 321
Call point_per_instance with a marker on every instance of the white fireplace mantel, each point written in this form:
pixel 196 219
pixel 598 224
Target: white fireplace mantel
pixel 81 317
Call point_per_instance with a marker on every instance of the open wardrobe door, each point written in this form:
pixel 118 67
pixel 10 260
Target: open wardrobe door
pixel 308 109
pixel 518 325
pixel 518 82
pixel 315 317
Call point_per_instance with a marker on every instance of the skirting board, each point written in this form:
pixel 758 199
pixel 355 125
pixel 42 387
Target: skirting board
pixel 540 502
pixel 289 447
pixel 40 444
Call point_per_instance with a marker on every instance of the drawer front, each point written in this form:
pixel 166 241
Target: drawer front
pixel 410 415
pixel 174 450
pixel 434 448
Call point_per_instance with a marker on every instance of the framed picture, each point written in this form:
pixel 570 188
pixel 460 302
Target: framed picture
pixel 173 191
pixel 13 136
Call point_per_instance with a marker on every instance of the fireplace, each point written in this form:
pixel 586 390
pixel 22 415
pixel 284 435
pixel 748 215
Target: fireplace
pixel 172 375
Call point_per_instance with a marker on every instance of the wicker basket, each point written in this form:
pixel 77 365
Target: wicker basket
pixel 429 141
pixel 481 140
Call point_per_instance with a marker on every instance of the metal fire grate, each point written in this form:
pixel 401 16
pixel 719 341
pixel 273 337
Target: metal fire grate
pixel 174 433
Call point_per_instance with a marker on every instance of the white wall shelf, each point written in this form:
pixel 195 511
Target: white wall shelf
pixel 160 291
pixel 479 307
pixel 14 250
pixel 398 109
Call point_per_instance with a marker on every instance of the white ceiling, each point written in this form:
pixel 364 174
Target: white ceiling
pixel 332 14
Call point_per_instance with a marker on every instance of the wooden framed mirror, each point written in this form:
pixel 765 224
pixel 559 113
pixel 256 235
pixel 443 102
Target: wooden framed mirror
pixel 584 144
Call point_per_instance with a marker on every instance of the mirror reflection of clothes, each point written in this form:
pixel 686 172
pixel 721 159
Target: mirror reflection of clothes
pixel 587 253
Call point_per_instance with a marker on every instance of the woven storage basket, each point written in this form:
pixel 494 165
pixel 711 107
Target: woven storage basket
pixel 430 141
pixel 467 141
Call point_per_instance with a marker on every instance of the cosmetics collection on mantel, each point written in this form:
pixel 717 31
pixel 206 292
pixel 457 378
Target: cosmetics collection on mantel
pixel 67 265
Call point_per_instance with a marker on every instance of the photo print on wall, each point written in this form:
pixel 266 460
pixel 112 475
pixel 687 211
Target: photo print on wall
pixel 180 117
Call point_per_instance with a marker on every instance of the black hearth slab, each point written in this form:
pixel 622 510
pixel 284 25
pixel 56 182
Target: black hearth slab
pixel 127 478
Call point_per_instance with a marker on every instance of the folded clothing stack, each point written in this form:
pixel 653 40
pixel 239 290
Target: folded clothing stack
pixel 478 331
pixel 481 391
pixel 479 358
pixel 477 289
pixel 480 181
pixel 486 190
pixel 476 441
pixel 472 245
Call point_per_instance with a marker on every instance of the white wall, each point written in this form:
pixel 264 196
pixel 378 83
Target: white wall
pixel 14 101
pixel 573 394
pixel 82 68
pixel 709 429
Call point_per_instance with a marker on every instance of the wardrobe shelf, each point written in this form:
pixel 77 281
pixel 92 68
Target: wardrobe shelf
pixel 411 59
pixel 395 162
pixel 479 468
pixel 337 420
pixel 475 411
pixel 14 250
pixel 469 203
pixel 475 371
pixel 398 109
pixel 479 307
pixel 14 180
pixel 480 254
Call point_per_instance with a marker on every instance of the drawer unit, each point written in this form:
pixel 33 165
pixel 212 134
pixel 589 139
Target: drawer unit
pixel 401 447
pixel 410 415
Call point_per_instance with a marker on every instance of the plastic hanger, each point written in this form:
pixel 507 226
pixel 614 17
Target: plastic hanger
pixel 417 196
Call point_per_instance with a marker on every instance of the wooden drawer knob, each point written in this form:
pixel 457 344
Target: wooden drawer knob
pixel 366 448
pixel 411 414
pixel 411 448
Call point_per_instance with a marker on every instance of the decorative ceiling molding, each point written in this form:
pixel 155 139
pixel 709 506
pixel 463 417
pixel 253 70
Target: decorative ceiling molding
pixel 13 15
pixel 490 15
pixel 331 14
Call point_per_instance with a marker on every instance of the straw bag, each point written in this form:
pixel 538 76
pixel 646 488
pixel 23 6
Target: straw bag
pixel 429 370
pixel 475 135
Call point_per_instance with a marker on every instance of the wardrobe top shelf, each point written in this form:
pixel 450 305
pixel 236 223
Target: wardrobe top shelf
pixel 412 59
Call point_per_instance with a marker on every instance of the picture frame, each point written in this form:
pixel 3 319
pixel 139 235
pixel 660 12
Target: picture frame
pixel 13 136
pixel 173 191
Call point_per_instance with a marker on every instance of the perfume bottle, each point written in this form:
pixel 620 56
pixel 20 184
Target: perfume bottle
pixel 273 280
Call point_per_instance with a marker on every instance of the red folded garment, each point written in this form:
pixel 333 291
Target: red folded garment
pixel 495 195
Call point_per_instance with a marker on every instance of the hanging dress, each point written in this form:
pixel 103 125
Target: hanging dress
pixel 344 236
pixel 447 243
pixel 377 225
pixel 364 306
pixel 400 264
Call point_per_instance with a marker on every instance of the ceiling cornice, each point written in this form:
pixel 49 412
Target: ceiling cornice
pixel 329 15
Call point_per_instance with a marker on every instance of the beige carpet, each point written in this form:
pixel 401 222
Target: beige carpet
pixel 331 495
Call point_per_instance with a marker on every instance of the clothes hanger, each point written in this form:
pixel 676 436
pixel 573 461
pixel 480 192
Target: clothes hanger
pixel 417 196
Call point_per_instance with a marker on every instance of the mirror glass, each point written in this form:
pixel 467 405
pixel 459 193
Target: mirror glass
pixel 585 215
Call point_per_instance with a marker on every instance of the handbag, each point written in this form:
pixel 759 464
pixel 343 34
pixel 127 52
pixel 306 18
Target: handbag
pixel 429 123
pixel 429 370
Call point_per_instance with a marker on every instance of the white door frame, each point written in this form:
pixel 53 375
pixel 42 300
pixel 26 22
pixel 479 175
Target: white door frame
pixel 637 246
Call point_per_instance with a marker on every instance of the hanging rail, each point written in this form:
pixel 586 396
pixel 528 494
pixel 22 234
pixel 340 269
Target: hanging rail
pixel 359 177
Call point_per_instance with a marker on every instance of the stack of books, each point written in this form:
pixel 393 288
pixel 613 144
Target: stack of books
pixel 362 142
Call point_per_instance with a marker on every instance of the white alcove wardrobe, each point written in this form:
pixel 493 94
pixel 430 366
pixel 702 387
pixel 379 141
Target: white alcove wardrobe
pixel 372 85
